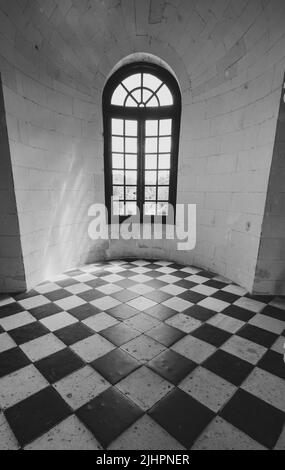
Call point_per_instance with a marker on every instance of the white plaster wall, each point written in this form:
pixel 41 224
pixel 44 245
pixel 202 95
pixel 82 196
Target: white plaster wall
pixel 55 57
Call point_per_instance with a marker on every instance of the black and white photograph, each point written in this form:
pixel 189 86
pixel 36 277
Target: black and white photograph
pixel 142 228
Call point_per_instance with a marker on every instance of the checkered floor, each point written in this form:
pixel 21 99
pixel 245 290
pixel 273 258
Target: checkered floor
pixel 141 355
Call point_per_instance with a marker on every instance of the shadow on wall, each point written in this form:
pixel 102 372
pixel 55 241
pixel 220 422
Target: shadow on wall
pixel 12 273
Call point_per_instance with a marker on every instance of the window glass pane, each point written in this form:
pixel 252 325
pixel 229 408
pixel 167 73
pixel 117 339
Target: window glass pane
pixel 165 144
pixel 137 95
pixel 151 145
pixel 150 81
pixel 118 160
pixel 117 127
pixel 150 208
pixel 131 145
pixel 146 95
pixel 131 208
pixel 118 192
pixel 150 177
pixel 150 193
pixel 164 96
pixel 117 144
pixel 131 103
pixel 118 208
pixel 164 162
pixel 134 81
pixel 151 162
pixel 162 208
pixel 165 127
pixel 163 177
pixel 119 96
pixel 132 128
pixel 163 193
pixel 131 177
pixel 131 193
pixel 118 177
pixel 131 162
pixel 151 128
pixel 153 103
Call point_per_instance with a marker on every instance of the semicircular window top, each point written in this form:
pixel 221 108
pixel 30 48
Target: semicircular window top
pixel 142 113
pixel 142 90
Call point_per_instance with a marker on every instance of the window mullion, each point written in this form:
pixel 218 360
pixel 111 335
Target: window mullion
pixel 141 164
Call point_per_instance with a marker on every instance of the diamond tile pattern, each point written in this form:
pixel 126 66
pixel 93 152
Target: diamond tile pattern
pixel 119 348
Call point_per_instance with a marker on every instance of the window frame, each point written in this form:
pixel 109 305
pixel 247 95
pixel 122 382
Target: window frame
pixel 141 115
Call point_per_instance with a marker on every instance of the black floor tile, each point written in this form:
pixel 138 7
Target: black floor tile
pixel 67 283
pixel 171 366
pixel 211 334
pixel 191 296
pixel 200 313
pixel 185 284
pixel 45 311
pixel 182 416
pixel 28 333
pixel 238 313
pixel 229 367
pixel 84 311
pixel 115 366
pixel 108 415
pixel 161 312
pixel 58 295
pixel 258 335
pixel 124 296
pixel 12 360
pixel 59 365
pixel 10 309
pixel 256 418
pixel 34 416
pixel 119 334
pixel 155 283
pixel 225 296
pixel 25 295
pixel 157 296
pixel 273 363
pixel 122 312
pixel 73 333
pixel 215 284
pixel 165 334
pixel 91 295
pixel 274 312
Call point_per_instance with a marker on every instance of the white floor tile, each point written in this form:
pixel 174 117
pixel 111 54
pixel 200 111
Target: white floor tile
pixel 58 321
pixel 221 435
pixel 244 349
pixel 34 302
pixel 16 321
pixel 204 290
pixel 236 290
pixel 266 386
pixel 78 288
pixel 250 304
pixel 184 323
pixel 92 348
pixel 143 348
pixel 172 289
pixel 197 279
pixel 145 434
pixel 42 347
pixel 6 342
pixel 226 323
pixel 7 439
pixel 105 303
pixel 109 289
pixel 70 434
pixel 268 323
pixel 144 387
pixel 100 322
pixel 47 288
pixel 141 303
pixel 141 289
pixel 194 349
pixel 81 387
pixel 20 385
pixel 142 322
pixel 70 302
pixel 177 304
pixel 214 304
pixel 208 388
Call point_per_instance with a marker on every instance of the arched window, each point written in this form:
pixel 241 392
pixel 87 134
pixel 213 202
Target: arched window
pixel 142 112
